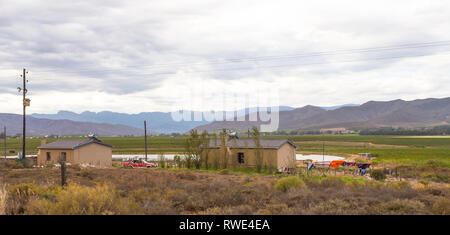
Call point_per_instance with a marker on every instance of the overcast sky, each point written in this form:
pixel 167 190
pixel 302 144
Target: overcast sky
pixel 142 56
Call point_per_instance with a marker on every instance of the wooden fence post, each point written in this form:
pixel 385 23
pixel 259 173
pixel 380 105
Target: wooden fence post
pixel 63 173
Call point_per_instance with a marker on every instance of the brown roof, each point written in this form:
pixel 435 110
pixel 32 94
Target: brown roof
pixel 71 144
pixel 250 143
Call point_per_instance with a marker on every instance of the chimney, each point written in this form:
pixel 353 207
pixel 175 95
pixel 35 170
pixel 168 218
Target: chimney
pixel 43 142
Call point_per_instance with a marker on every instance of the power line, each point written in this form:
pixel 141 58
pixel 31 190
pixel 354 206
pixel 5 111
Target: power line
pixel 266 58
pixel 351 51
pixel 288 65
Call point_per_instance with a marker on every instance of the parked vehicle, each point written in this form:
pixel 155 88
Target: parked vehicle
pixel 139 163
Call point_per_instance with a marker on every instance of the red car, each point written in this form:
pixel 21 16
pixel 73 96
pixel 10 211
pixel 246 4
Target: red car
pixel 139 163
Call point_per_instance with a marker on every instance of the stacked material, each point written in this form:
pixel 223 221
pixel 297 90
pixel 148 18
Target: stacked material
pixel 336 163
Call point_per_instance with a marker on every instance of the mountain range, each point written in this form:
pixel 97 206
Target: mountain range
pixel 395 113
pixel 158 122
pixel 42 126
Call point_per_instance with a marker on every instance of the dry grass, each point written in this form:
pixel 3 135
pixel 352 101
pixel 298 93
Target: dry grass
pixel 3 195
pixel 159 191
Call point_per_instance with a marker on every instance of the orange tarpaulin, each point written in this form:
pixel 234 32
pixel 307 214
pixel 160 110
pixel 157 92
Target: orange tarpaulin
pixel 336 163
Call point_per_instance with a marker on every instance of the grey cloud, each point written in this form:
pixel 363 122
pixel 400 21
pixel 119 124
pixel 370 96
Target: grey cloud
pixel 122 47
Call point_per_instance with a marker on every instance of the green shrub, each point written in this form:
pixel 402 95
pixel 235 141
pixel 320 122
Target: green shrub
pixel 161 160
pixel 118 164
pixel 51 192
pixel 442 206
pixel 26 163
pixel 14 164
pixel 435 191
pixel 401 185
pixel 403 206
pixel 82 200
pixel 224 172
pixel 441 178
pixel 186 175
pixel 289 182
pixel 436 176
pixel 378 175
pixel 432 162
pixel 177 197
pixel 332 182
pixel 18 197
pixel 351 179
pixel 86 173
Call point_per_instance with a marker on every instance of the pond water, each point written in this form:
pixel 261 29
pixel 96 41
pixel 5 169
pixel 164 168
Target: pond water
pixel 318 157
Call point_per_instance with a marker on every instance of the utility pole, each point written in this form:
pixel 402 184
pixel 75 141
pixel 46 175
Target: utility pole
pixel 62 162
pixel 4 133
pixel 323 151
pixel 145 134
pixel 26 102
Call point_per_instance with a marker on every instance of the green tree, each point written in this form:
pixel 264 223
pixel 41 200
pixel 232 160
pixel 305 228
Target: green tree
pixel 259 157
pixel 194 147
pixel 225 149
pixel 161 160
pixel 216 163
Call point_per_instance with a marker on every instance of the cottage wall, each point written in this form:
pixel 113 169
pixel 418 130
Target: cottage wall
pixel 54 155
pixel 271 158
pixel 286 157
pixel 94 154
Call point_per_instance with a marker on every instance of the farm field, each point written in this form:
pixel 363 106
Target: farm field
pixel 423 151
pixel 407 150
pixel 122 145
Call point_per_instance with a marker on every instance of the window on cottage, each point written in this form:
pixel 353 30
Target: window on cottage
pixel 63 156
pixel 240 158
pixel 49 157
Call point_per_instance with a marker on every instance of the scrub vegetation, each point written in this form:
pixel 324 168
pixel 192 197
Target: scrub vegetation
pixel 422 162
pixel 164 191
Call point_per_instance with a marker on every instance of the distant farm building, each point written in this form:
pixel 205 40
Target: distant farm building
pixel 85 152
pixel 269 153
pixel 365 154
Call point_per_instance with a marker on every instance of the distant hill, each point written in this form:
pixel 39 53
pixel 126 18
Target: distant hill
pixel 42 126
pixel 396 113
pixel 338 106
pixel 372 114
pixel 289 117
pixel 160 122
